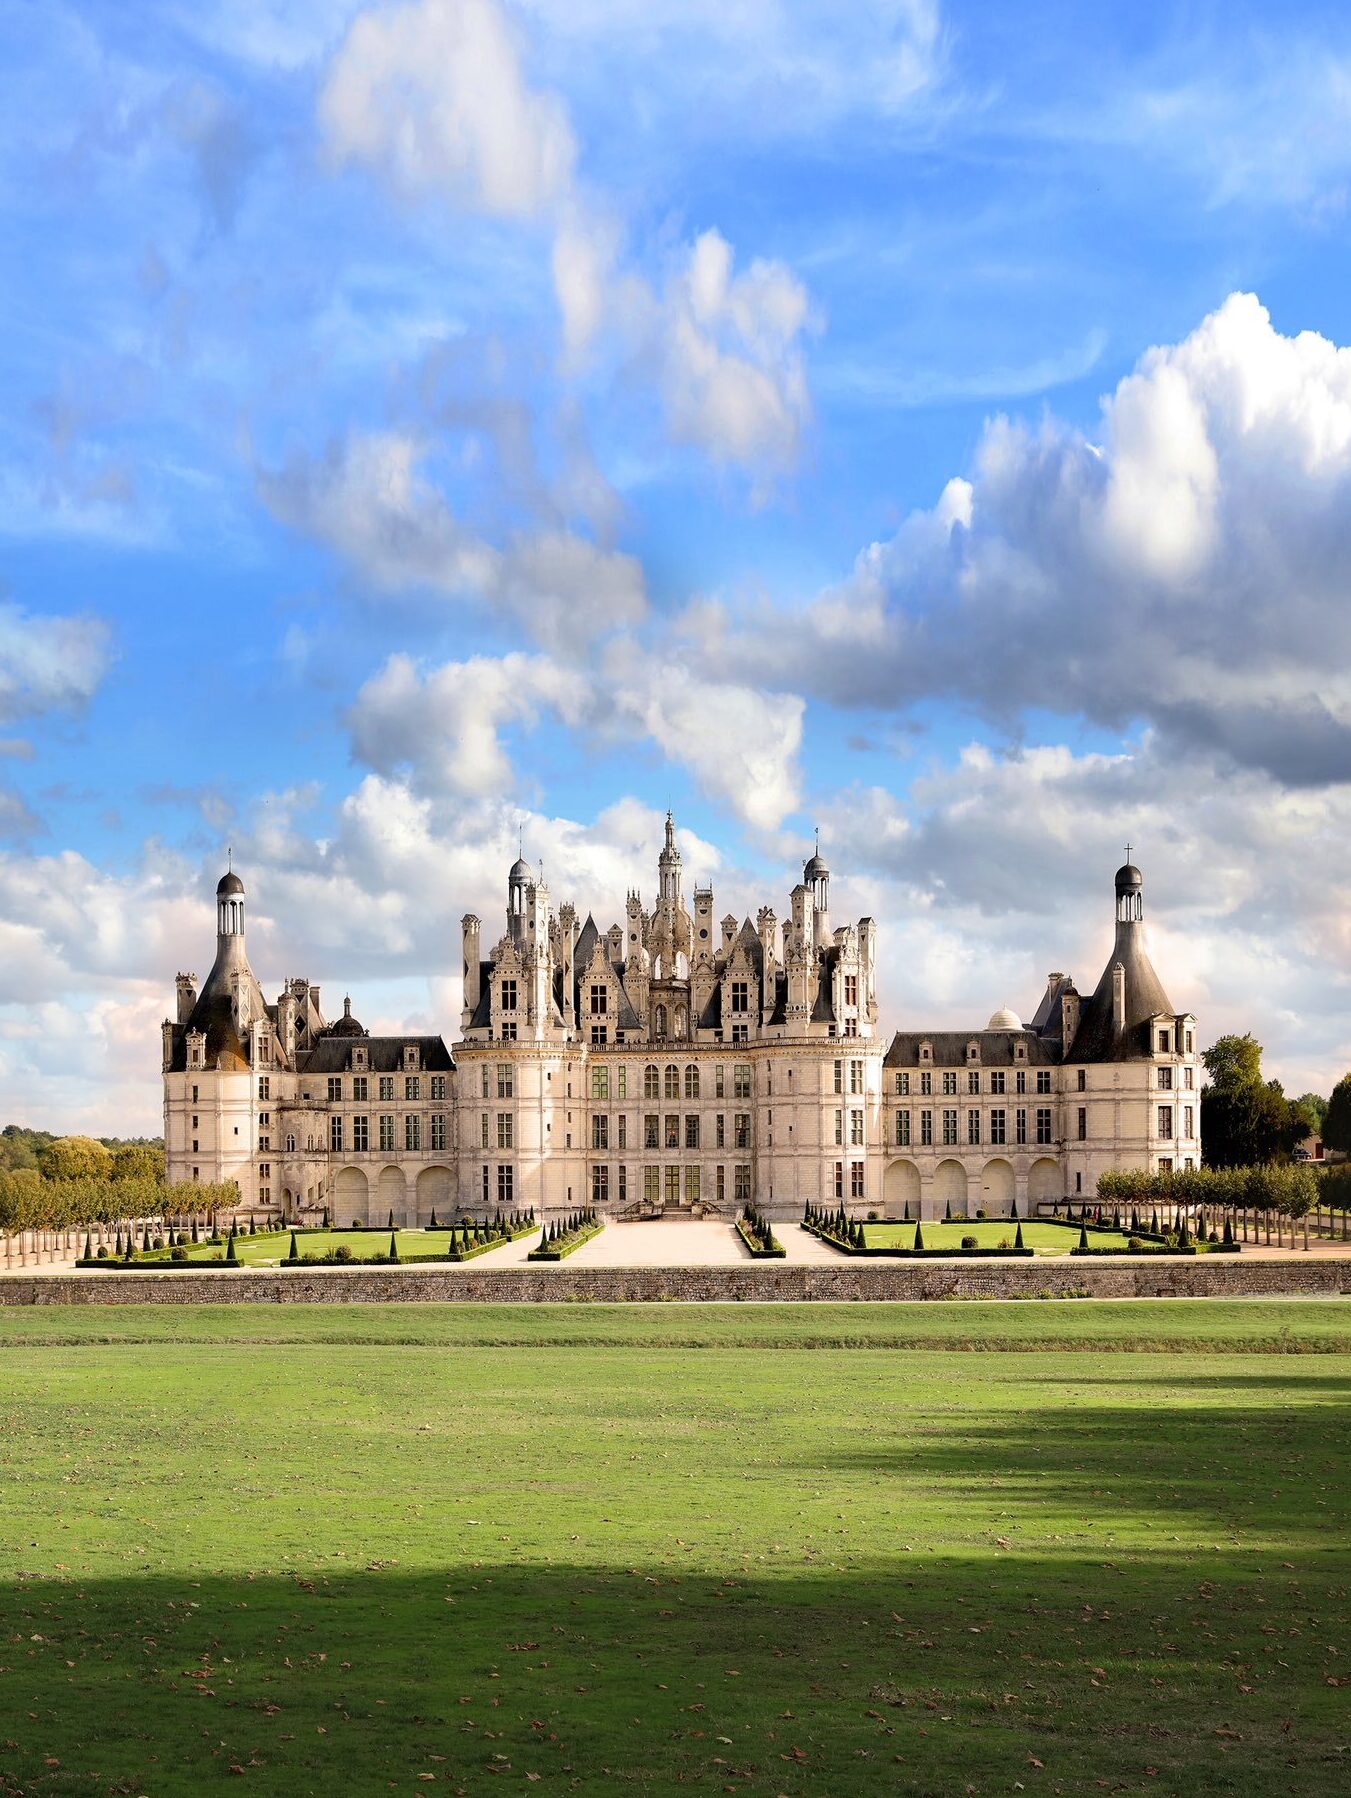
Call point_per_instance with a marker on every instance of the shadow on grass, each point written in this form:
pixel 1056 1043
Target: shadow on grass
pixel 923 1674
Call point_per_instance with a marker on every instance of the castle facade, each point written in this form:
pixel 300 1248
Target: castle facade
pixel 673 1064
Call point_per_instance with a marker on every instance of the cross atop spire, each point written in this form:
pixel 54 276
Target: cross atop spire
pixel 1128 852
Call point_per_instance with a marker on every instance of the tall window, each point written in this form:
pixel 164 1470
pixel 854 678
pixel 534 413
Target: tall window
pixel 335 1134
pixel 856 1076
pixel 506 1080
pixel 998 1119
pixel 997 1081
pixel 1165 1120
pixel 851 989
pixel 671 1082
pixel 334 1088
pixel 691 1185
pixel 691 1082
pixel 360 1088
pixel 438 1130
pixel 973 1124
pixel 600 1130
pixel 1188 1121
pixel 926 1129
pixel 508 995
pixel 741 996
pixel 673 1186
pixel 1165 1080
pixel 600 1082
pixel 412 1131
pixel 600 1184
pixel 741 1185
pixel 386 1086
pixel 484 1128
pixel 651 1131
pixel 1021 1078
pixel 361 1134
pixel 839 1179
pixel 902 1129
pixel 856 1180
pixel 651 1083
pixel 1020 1120
pixel 902 1085
pixel 1043 1123
pixel 1043 1080
pixel 264 1087
pixel 949 1128
pixel 599 1000
pixel 973 1081
pixel 438 1087
pixel 719 1081
pixel 691 1130
pixel 741 1080
pixel 949 1084
pixel 412 1088
pixel 839 1076
pixel 1083 1123
pixel 856 1129
pixel 506 1184
pixel 623 1135
pixel 672 1132
pixel 1083 1079
pixel 926 1083
pixel 741 1130
pixel 651 1184
pixel 839 1126
pixel 506 1125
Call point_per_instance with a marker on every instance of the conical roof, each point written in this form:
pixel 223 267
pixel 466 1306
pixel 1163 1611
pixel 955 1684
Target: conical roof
pixel 1096 1038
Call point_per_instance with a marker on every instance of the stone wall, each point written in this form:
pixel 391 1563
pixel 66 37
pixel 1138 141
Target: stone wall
pixel 1203 1277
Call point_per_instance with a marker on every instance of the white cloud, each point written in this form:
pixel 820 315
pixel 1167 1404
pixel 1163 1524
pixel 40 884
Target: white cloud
pixel 433 94
pixel 370 501
pixel 48 663
pixel 1184 568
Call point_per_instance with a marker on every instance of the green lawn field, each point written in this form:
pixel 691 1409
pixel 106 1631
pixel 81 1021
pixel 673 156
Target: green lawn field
pixel 268 1250
pixel 1045 1239
pixel 811 1550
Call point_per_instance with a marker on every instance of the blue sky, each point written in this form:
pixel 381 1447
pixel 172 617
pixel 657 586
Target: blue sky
pixel 433 421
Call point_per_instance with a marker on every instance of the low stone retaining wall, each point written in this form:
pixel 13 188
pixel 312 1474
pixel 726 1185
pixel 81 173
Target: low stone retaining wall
pixel 1202 1278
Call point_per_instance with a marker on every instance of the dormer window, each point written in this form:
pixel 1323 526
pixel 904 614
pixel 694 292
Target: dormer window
pixel 360 1060
pixel 410 1056
pixel 973 1051
pixel 1164 1039
pixel 1020 1051
pixel 926 1051
pixel 508 995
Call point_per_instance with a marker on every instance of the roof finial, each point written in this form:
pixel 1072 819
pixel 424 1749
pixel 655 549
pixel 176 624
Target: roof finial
pixel 1128 852
pixel 229 859
pixel 816 832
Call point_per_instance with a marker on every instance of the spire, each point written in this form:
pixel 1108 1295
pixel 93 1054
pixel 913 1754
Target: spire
pixel 668 866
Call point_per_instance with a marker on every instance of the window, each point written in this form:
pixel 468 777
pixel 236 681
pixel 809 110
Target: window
pixel 264 1089
pixel 839 1076
pixel 673 1186
pixel 741 1081
pixel 600 1130
pixel 1043 1123
pixel 335 1134
pixel 741 996
pixel 949 1128
pixel 839 1126
pixel 386 1130
pixel 926 1129
pixel 506 1130
pixel 194 1121
pixel 599 1001
pixel 438 1130
pixel 386 1086
pixel 691 1082
pixel 1165 1120
pixel 1083 1123
pixel 997 1081
pixel 651 1184
pixel 509 1032
pixel 483 1129
pixel 839 1179
pixel 1164 1039
pixel 926 1083
pixel 973 1124
pixel 485 1094
pixel 360 1086
pixel 1043 1080
pixel 856 1180
pixel 741 1130
pixel 741 1185
pixel 334 1088
pixel 856 1129
pixel 506 1080
pixel 651 1086
pixel 1083 1080
pixel 508 995
pixel 691 1186
pixel 851 989
pixel 600 1083
pixel 671 1134
pixel 1189 1042
pixel 506 1183
pixel 691 1130
pixel 1020 1079
pixel 719 1082
pixel 194 1093
pixel 856 1076
pixel 623 1185
pixel 1165 1164
pixel 997 1126
pixel 1189 1078
pixel 438 1087
pixel 600 1184
pixel 1188 1121
pixel 741 1033
pixel 902 1085
pixel 412 1088
pixel 1020 1124
pixel 651 1131
pixel 194 1145
pixel 412 1131
pixel 902 1129
pixel 264 1142
pixel 949 1084
pixel 264 1170
pixel 721 1129
pixel 670 1081
pixel 1165 1080
pixel 973 1081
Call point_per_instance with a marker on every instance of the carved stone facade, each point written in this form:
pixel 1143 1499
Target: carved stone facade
pixel 673 1064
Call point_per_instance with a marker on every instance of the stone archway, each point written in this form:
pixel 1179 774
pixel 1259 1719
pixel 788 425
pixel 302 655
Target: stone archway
pixel 434 1195
pixel 1045 1182
pixel 900 1188
pixel 351 1198
pixel 950 1187
pixel 392 1196
pixel 998 1187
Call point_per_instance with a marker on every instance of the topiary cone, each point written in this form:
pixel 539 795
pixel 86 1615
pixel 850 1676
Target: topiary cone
pixel 295 1247
pixel 1018 1237
pixel 919 1235
pixel 393 1247
pixel 1083 1236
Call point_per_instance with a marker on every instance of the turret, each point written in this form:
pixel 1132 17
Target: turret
pixel 469 938
pixel 816 879
pixel 668 869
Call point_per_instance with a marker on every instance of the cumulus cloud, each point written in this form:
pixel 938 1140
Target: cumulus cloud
pixel 1184 566
pixel 370 501
pixel 433 94
pixel 48 663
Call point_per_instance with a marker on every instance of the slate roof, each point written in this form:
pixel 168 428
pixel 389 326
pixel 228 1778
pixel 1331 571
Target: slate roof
pixel 1096 1039
pixel 949 1049
pixel 333 1055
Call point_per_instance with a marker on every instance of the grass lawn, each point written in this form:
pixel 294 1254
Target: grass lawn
pixel 267 1251
pixel 1046 1239
pixel 591 1549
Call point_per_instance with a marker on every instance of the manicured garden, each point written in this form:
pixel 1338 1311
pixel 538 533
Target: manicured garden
pixel 816 1570
pixel 1041 1238
pixel 324 1247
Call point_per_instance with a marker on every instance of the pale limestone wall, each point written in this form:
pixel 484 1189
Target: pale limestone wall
pixel 214 1111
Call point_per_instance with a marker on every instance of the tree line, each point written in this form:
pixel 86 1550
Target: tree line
pixel 1247 1121
pixel 67 1182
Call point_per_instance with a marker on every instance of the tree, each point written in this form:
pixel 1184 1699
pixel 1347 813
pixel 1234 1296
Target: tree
pixel 74 1158
pixel 1244 1119
pixel 134 1161
pixel 1311 1109
pixel 1337 1122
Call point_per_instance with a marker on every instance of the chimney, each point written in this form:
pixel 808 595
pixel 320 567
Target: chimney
pixel 469 935
pixel 187 996
pixel 1069 1017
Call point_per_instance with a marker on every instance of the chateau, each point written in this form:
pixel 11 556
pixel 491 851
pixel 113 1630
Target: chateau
pixel 676 1064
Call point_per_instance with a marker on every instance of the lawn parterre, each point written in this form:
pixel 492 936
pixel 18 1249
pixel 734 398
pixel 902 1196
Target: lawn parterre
pixel 273 1248
pixel 816 1571
pixel 1042 1239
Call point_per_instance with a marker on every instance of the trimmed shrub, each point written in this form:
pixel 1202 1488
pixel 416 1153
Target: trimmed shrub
pixel 969 1242
pixel 1018 1237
